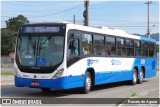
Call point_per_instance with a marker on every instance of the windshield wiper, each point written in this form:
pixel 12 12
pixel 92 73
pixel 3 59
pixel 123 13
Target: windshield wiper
pixel 41 44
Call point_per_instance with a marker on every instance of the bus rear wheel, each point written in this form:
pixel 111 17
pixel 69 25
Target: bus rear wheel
pixel 46 90
pixel 134 77
pixel 141 74
pixel 87 83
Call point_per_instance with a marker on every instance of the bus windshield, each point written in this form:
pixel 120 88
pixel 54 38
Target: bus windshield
pixel 40 50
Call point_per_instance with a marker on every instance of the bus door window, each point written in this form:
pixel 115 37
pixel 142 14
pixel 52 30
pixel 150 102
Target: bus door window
pixel 73 46
pixel 73 49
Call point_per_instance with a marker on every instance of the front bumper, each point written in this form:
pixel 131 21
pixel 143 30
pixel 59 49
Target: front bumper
pixel 59 83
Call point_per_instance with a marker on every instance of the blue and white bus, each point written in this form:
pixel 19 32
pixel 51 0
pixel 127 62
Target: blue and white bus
pixel 63 56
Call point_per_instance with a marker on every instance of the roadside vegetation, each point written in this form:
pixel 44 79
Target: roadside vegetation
pixel 133 94
pixel 11 73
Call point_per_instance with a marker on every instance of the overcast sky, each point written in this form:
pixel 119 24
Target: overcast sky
pixel 130 16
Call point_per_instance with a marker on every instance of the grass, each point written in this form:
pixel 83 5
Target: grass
pixel 133 94
pixel 7 73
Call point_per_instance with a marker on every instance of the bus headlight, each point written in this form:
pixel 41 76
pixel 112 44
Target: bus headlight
pixel 16 73
pixel 58 74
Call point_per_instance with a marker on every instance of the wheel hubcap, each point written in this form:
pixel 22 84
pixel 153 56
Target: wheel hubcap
pixel 134 77
pixel 88 83
pixel 141 76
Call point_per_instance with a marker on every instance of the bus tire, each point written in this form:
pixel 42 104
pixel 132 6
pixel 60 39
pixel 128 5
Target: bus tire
pixel 134 77
pixel 46 90
pixel 87 83
pixel 141 74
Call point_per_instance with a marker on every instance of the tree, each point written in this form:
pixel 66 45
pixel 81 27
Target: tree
pixel 7 40
pixel 14 23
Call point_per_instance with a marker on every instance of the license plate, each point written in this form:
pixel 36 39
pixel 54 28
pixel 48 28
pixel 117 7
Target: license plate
pixel 35 83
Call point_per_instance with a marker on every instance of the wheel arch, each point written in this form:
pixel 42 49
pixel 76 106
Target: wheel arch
pixel 143 68
pixel 136 70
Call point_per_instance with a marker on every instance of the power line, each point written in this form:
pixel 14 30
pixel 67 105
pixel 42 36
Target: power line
pixel 32 4
pixel 120 6
pixel 57 12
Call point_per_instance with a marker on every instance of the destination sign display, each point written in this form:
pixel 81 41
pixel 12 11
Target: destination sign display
pixel 41 29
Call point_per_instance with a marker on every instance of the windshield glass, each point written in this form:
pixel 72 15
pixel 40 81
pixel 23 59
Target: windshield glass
pixel 41 51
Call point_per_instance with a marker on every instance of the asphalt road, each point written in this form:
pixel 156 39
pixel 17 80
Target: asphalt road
pixel 114 90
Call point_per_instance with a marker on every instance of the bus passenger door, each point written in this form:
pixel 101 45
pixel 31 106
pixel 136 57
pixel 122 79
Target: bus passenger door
pixel 73 56
pixel 73 49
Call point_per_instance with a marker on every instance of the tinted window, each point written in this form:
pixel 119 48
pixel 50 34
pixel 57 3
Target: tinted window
pixel 73 47
pixel 121 51
pixel 129 42
pixel 110 41
pixel 144 45
pixel 137 43
pixel 144 49
pixel 129 47
pixel 87 38
pixel 151 49
pixel 87 49
pixel 120 42
pixel 111 50
pixel 98 39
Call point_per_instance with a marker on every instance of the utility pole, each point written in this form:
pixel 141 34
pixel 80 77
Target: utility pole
pixel 85 13
pixel 148 30
pixel 74 19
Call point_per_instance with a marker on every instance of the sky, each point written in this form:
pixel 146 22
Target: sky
pixel 130 16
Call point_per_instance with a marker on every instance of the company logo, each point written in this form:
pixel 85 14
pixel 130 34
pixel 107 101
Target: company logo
pixel 91 62
pixel 116 62
pixel 6 101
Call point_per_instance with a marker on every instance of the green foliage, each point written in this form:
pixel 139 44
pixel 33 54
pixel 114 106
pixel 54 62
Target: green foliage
pixel 7 40
pixel 133 94
pixel 16 22
pixel 157 48
pixel 11 73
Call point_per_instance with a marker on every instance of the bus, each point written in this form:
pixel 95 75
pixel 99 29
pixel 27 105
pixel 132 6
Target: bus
pixel 64 56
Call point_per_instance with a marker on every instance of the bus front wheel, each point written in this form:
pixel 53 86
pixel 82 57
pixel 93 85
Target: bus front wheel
pixel 134 77
pixel 87 83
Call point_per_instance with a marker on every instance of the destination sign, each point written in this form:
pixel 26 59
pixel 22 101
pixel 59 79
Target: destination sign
pixel 40 29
